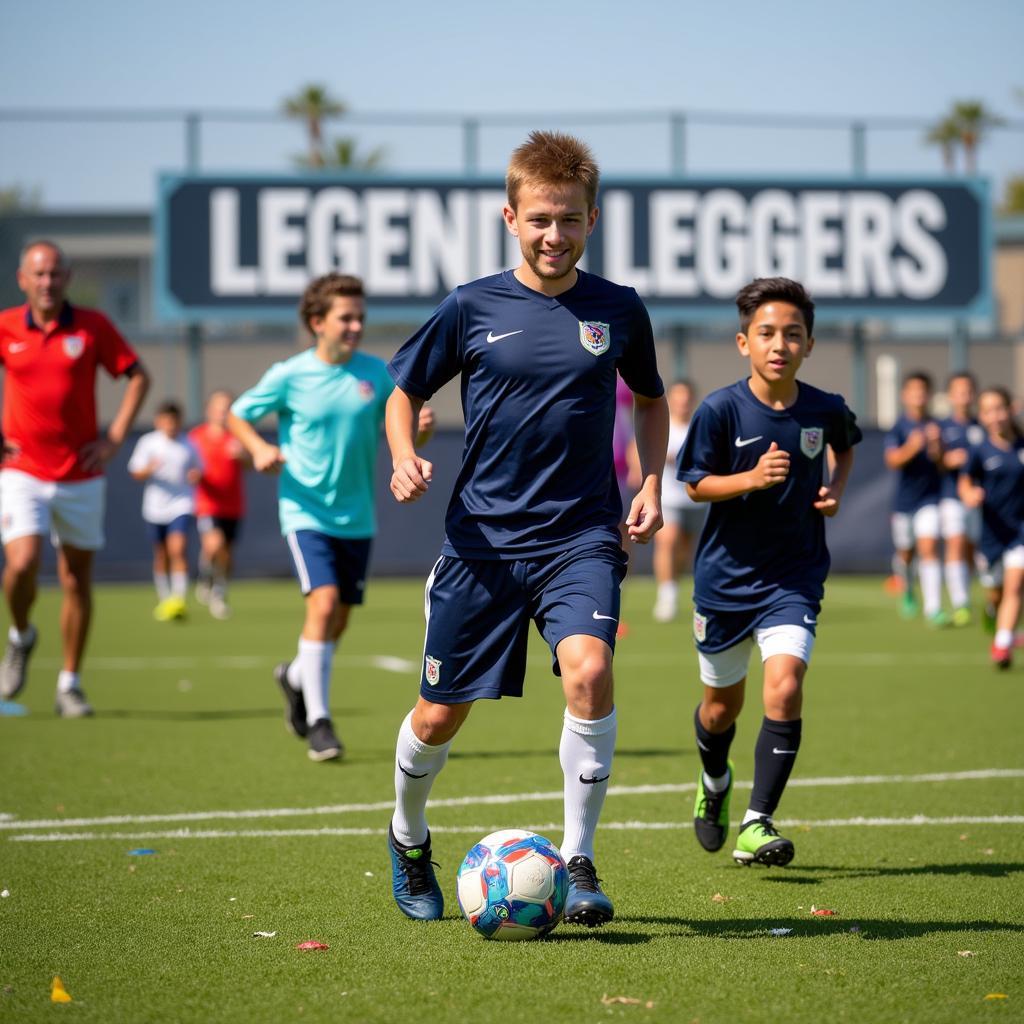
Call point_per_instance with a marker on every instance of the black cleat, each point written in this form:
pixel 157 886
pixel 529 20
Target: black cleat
pixel 294 703
pixel 586 903
pixel 323 744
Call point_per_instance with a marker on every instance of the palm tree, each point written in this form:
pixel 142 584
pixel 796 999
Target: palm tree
pixel 343 153
pixel 313 103
pixel 974 121
pixel 945 135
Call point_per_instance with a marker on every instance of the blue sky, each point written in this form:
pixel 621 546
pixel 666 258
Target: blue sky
pixel 873 58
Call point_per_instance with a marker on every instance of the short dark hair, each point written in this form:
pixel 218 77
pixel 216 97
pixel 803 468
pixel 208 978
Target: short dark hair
pixel 169 407
pixel 763 290
pixel 921 375
pixel 321 292
pixel 962 375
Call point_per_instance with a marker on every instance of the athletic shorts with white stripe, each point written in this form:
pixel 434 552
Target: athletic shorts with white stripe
pixel 321 560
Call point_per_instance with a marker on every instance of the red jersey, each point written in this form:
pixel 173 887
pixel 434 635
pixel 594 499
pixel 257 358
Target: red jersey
pixel 219 491
pixel 50 387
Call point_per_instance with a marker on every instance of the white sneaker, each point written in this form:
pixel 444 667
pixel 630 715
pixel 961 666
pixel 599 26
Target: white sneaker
pixel 219 607
pixel 72 704
pixel 665 608
pixel 202 591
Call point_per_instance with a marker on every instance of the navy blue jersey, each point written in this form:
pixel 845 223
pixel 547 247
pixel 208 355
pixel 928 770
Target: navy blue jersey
pixel 957 435
pixel 919 482
pixel 766 544
pixel 538 396
pixel 1001 472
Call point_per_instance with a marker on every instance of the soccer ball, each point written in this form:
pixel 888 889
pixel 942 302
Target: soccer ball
pixel 512 885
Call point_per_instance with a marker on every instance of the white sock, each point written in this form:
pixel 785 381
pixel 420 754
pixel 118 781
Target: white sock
pixel 219 586
pixel 417 764
pixel 751 815
pixel 293 675
pixel 1004 638
pixel 716 785
pixel 930 574
pixel 585 752
pixel 163 585
pixel 67 681
pixel 315 657
pixel 957 583
pixel 179 584
pixel 667 590
pixel 19 638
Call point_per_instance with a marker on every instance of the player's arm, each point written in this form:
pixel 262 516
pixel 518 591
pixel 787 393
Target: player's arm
pixel 266 457
pixel 969 491
pixel 411 476
pixel 96 454
pixel 831 494
pixel 424 425
pixel 771 469
pixel 954 459
pixel 897 456
pixel 650 427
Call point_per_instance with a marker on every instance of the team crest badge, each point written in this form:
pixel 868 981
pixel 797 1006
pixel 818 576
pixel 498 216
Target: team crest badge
pixel 74 346
pixel 595 337
pixel 700 627
pixel 812 440
pixel 366 390
pixel 433 671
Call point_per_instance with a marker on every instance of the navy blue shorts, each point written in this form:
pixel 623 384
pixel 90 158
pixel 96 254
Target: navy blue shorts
pixel 229 527
pixel 158 531
pixel 715 630
pixel 479 610
pixel 324 561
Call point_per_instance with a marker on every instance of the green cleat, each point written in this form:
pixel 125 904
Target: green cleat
pixel 711 814
pixel 988 619
pixel 938 620
pixel 909 608
pixel 760 843
pixel 961 617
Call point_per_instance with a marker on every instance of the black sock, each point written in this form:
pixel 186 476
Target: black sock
pixel 713 747
pixel 774 757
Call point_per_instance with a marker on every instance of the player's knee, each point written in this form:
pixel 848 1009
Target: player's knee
pixel 783 695
pixel 435 724
pixel 323 606
pixel 588 686
pixel 21 564
pixel 718 715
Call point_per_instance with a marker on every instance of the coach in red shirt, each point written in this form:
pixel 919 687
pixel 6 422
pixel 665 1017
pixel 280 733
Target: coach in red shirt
pixel 51 477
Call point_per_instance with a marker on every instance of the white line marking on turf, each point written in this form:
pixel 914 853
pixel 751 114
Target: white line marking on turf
pixel 915 820
pixel 494 799
pixel 392 664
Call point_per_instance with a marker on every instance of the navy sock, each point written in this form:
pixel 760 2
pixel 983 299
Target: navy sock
pixel 774 757
pixel 713 747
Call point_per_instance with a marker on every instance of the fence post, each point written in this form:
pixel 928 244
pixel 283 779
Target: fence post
pixel 471 145
pixel 677 142
pixel 959 357
pixel 194 331
pixel 859 148
pixel 858 345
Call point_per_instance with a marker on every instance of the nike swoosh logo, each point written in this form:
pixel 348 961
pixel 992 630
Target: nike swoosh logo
pixel 810 622
pixel 597 615
pixel 994 463
pixel 749 440
pixel 492 337
pixel 702 747
pixel 410 774
pixel 593 782
pixel 775 750
pixel 17 346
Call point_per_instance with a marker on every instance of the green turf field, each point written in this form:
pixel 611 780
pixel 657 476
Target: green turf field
pixel 188 755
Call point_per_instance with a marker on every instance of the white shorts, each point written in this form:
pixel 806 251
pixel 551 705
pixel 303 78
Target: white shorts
pixel 728 667
pixel 689 518
pixel 910 526
pixel 991 573
pixel 71 513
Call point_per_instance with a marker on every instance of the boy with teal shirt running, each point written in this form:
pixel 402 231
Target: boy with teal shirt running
pixel 329 401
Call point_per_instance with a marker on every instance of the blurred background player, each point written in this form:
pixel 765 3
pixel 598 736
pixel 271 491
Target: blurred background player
pixel 54 456
pixel 329 402
pixel 913 448
pixel 220 501
pixel 170 468
pixel 993 480
pixel 960 526
pixel 532 528
pixel 683 516
pixel 757 452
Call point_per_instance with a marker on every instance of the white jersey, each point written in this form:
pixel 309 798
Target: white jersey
pixel 673 491
pixel 168 493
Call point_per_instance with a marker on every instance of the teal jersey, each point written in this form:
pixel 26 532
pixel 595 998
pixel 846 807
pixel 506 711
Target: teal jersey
pixel 329 419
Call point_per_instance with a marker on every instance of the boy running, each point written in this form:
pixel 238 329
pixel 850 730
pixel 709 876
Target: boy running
pixel 756 452
pixel 220 502
pixel 170 468
pixel 993 480
pixel 532 526
pixel 329 402
pixel 913 448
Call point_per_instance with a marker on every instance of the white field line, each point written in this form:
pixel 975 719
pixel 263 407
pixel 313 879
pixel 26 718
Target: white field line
pixel 549 827
pixel 493 799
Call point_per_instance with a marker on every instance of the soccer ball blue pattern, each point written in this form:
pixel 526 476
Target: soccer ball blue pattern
pixel 512 885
